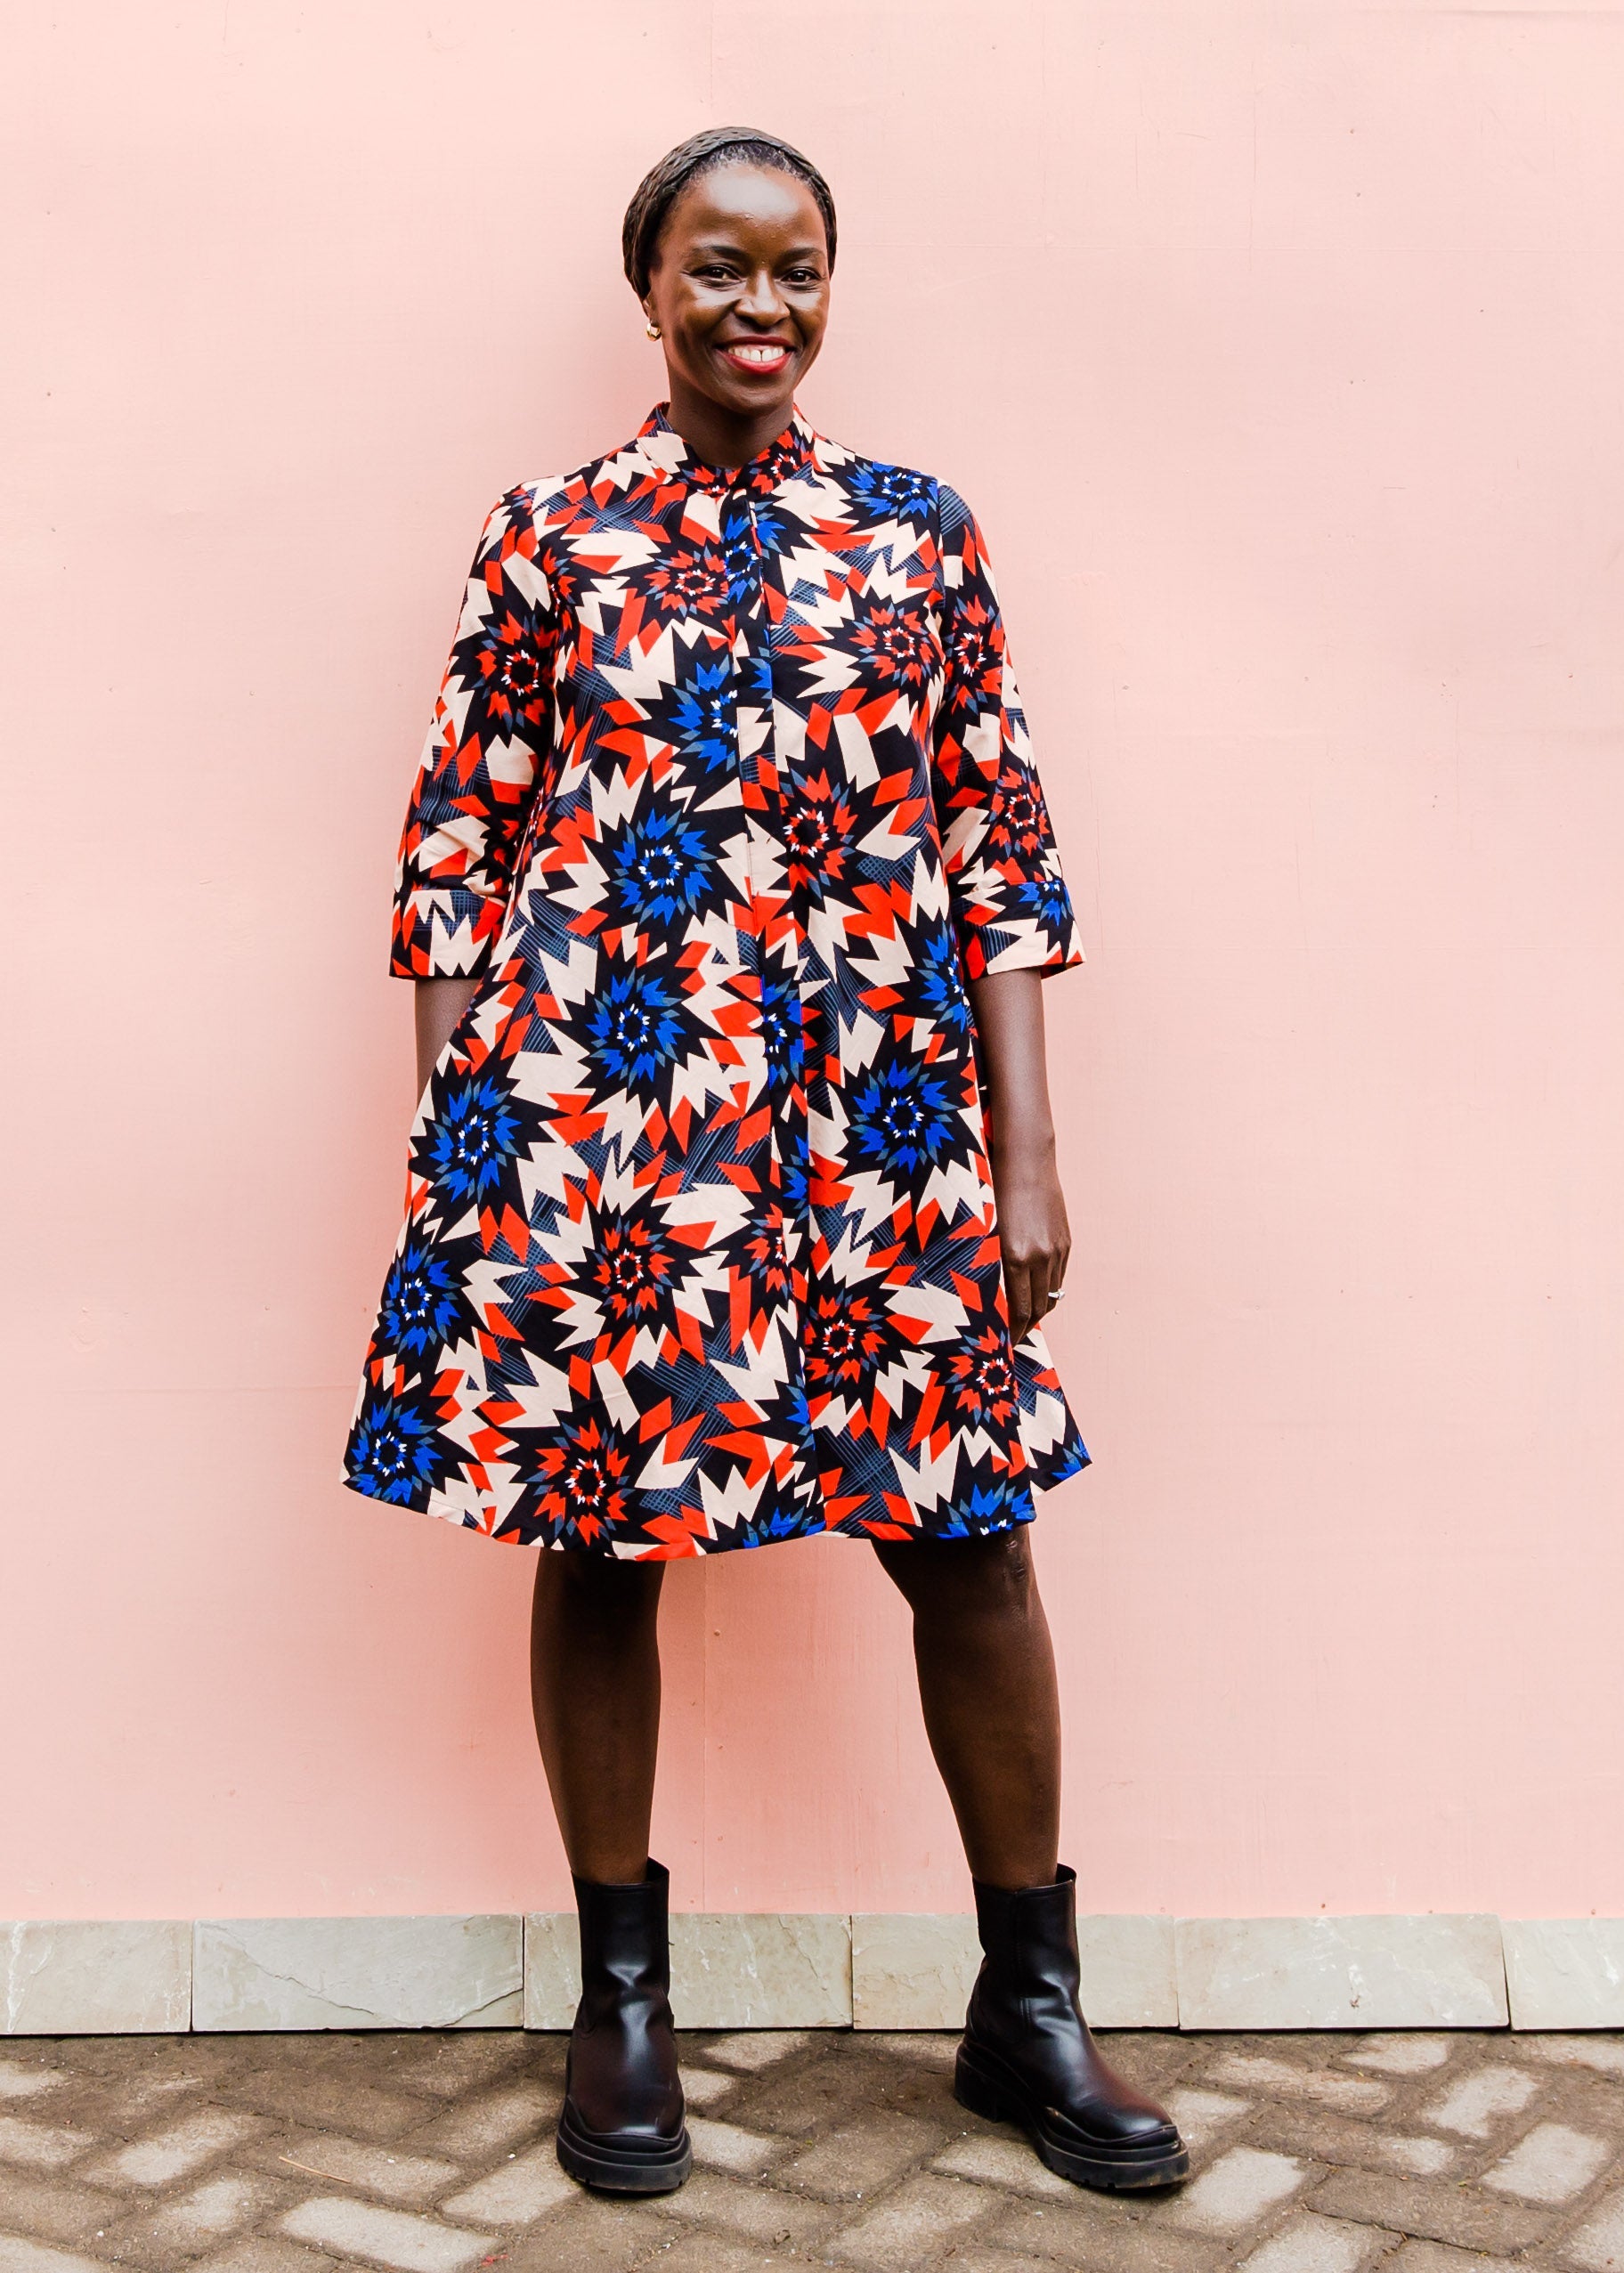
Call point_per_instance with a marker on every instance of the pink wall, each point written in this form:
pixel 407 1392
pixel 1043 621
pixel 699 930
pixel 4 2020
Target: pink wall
pixel 1278 349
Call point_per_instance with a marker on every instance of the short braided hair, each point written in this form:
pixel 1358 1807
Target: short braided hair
pixel 662 184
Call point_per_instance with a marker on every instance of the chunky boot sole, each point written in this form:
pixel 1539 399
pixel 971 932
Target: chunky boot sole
pixel 617 2168
pixel 989 2089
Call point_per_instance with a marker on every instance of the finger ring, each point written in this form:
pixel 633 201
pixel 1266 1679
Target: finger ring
pixel 1056 1294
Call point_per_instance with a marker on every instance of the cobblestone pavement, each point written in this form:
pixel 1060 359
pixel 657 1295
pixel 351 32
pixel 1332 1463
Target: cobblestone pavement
pixel 430 2153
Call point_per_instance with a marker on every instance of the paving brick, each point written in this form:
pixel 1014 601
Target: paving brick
pixel 264 2253
pixel 751 2051
pixel 1237 2191
pixel 1551 2164
pixel 1433 2257
pixel 155 2056
pixel 1400 2055
pixel 1349 2095
pixel 403 2179
pixel 1152 2061
pixel 706 2253
pixel 761 2214
pixel 1430 2208
pixel 372 2055
pixel 325 2100
pixel 597 2234
pixel 704 2087
pixel 206 2215
pixel 1007 2163
pixel 912 2229
pixel 177 2151
pixel 1603 2052
pixel 41 2147
pixel 490 2122
pixel 74 2102
pixel 1320 2137
pixel 1421 2158
pixel 1481 2102
pixel 850 2162
pixel 1201 2115
pixel 1590 2100
pixel 986 2257
pixel 1311 2245
pixel 391 2237
pixel 725 2147
pixel 812 2099
pixel 922 2046
pixel 1136 2243
pixel 517 2193
pixel 18 2256
pixel 127 2104
pixel 55 2210
pixel 1598 2242
pixel 25 2080
pixel 457 2060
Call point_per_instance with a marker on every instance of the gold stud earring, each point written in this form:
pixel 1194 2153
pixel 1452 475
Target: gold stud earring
pixel 652 330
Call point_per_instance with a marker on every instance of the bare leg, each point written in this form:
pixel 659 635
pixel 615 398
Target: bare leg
pixel 595 1690
pixel 986 1684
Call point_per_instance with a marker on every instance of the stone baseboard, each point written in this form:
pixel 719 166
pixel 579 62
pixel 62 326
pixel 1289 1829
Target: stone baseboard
pixel 1565 1972
pixel 783 1971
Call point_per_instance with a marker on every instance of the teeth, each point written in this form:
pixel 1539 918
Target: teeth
pixel 758 355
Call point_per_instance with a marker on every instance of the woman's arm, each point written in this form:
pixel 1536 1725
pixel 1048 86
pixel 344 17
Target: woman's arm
pixel 1032 1226
pixel 440 1003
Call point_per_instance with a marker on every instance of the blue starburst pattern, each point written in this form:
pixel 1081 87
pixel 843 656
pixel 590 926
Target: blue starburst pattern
pixel 475 1134
pixel 902 1118
pixel 635 1028
pixel 393 1453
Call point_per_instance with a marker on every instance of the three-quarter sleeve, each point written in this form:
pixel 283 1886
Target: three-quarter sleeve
pixel 1011 908
pixel 484 760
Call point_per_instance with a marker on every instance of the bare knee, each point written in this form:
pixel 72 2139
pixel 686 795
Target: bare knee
pixel 982 1580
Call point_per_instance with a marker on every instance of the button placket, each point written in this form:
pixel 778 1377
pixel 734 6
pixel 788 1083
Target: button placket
pixel 753 666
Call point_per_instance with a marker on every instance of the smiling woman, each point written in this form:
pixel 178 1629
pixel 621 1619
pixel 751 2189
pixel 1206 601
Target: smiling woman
pixel 728 889
pixel 729 244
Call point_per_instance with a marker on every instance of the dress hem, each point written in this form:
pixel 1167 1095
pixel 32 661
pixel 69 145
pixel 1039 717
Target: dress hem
pixel 1059 1473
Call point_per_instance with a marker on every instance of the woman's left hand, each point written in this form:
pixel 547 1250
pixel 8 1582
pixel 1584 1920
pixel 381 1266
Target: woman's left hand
pixel 1032 1227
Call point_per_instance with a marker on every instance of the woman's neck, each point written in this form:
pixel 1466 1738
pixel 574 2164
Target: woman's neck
pixel 719 436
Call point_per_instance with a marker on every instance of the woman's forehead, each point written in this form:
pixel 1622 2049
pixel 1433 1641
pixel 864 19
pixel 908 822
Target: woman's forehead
pixel 725 198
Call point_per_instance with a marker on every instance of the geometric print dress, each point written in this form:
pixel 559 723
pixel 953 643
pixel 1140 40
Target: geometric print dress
pixel 726 793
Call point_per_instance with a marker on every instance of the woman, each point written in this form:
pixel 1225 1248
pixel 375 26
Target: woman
pixel 728 890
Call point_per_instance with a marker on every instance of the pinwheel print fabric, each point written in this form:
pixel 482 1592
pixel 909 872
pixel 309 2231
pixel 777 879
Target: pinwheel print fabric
pixel 726 794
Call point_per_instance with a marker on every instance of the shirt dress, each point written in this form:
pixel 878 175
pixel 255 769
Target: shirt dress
pixel 726 794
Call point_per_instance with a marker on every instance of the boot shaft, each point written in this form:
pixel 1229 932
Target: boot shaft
pixel 1029 1941
pixel 625 1946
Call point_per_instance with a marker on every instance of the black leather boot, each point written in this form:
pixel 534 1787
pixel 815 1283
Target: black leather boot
pixel 623 2126
pixel 1028 2056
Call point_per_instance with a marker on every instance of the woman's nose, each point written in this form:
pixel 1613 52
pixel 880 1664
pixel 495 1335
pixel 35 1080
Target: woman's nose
pixel 762 301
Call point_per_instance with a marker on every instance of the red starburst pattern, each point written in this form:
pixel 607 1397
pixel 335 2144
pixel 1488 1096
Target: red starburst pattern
pixel 818 827
pixel 985 1387
pixel 631 1271
pixel 895 648
pixel 581 1479
pixel 845 1340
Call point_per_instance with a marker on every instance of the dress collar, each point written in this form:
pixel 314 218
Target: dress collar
pixel 788 454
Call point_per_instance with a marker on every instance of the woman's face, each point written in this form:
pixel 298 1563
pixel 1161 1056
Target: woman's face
pixel 739 287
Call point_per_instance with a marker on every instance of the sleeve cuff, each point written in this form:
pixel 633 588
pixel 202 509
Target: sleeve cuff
pixel 1010 942
pixel 444 931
